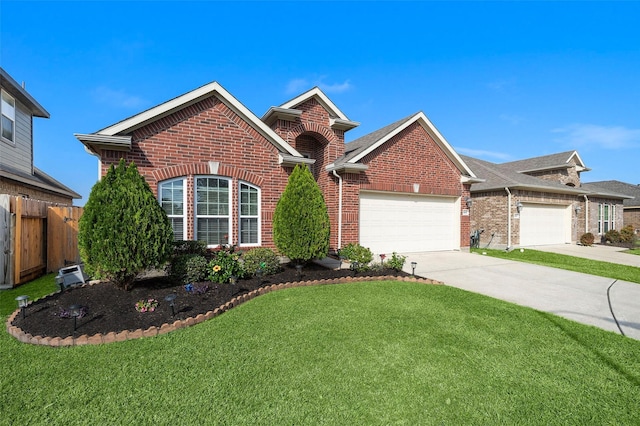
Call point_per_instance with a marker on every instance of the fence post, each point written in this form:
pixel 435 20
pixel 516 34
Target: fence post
pixel 17 238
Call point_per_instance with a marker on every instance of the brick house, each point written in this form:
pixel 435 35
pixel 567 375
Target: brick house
pixel 630 206
pixel 218 170
pixel 540 201
pixel 18 175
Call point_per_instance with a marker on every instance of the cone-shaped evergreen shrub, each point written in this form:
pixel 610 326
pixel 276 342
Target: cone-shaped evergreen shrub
pixel 123 229
pixel 301 221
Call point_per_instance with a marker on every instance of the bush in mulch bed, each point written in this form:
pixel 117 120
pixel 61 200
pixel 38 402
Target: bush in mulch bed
pixel 107 308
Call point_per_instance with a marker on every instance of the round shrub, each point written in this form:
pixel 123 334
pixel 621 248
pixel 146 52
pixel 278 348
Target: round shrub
pixel 612 236
pixel 260 258
pixel 587 239
pixel 354 252
pixel 627 235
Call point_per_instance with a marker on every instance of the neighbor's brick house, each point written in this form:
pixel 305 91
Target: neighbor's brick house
pixel 219 170
pixel 539 201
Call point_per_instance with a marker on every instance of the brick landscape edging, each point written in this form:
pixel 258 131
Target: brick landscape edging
pixel 121 336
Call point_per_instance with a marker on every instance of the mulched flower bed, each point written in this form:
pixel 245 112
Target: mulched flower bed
pixel 109 309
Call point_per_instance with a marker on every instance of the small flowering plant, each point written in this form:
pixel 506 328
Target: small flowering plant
pixel 224 265
pixel 148 305
pixel 196 288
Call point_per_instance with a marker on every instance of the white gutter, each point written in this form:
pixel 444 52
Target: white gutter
pixel 586 214
pixel 508 218
pixel 339 208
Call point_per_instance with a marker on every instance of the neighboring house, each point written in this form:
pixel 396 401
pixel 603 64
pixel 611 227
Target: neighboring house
pixel 631 205
pixel 539 201
pixel 218 170
pixel 18 175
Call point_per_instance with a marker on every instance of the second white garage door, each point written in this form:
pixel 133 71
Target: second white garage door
pixel 408 223
pixel 542 224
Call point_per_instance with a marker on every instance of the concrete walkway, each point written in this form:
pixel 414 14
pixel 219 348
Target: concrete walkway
pixel 595 252
pixel 572 295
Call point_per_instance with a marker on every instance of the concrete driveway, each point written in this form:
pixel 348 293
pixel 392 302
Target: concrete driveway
pixel 572 295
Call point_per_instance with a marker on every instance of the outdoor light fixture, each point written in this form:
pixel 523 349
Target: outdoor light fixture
pixel 171 297
pixel 413 268
pixel 577 209
pixel 469 202
pixel 299 271
pixel 354 267
pixel 23 301
pixel 519 206
pixel 75 311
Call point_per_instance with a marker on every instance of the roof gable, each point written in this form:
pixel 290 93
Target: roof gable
pixel 500 176
pixel 361 147
pixel 322 99
pixel 547 162
pixel 125 127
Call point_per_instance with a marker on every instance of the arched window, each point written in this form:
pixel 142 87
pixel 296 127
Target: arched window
pixel 213 210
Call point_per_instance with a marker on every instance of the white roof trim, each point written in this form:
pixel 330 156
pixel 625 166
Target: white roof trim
pixel 433 132
pixel 320 97
pixel 211 89
pixel 579 162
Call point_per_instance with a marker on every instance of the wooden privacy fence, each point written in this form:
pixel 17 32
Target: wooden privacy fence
pixel 37 237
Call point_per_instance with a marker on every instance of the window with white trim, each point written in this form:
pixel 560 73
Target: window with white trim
pixel 172 200
pixel 606 218
pixel 212 210
pixel 8 121
pixel 249 218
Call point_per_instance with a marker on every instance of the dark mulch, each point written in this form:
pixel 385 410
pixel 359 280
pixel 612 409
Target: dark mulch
pixel 111 309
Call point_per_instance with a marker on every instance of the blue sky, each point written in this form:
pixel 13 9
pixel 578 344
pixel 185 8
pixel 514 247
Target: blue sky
pixel 501 81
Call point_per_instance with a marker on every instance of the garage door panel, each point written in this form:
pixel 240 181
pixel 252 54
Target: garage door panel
pixel 408 223
pixel 542 224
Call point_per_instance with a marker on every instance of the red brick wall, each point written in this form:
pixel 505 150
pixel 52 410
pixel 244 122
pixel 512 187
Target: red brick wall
pixel 411 157
pixel 311 134
pixel 183 143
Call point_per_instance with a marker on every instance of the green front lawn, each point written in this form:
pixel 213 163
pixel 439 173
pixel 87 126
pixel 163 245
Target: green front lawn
pixel 366 353
pixel 570 263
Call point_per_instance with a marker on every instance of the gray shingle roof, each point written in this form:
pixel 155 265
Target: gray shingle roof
pixel 355 147
pixel 500 176
pixel 544 162
pixel 618 187
pixel 39 179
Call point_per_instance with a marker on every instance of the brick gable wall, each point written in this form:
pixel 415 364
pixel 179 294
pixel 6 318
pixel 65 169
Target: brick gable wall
pixel 411 157
pixel 183 144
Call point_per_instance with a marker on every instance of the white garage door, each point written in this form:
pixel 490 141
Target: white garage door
pixel 542 224
pixel 408 223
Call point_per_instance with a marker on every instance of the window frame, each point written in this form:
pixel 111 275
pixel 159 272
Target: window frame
pixel 610 221
pixel 256 217
pixel 229 215
pixel 183 180
pixel 8 111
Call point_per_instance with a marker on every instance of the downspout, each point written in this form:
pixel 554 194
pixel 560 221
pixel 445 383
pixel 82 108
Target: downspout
pixel 508 217
pixel 586 214
pixel 339 208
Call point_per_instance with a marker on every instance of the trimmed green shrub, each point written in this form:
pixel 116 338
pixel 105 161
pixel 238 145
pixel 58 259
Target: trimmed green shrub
pixel 260 258
pixel 627 235
pixel 587 239
pixel 123 230
pixel 396 262
pixel 354 252
pixel 224 265
pixel 190 247
pixel 301 222
pixel 612 236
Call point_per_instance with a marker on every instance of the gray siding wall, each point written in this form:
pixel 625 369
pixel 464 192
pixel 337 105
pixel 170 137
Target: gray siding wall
pixel 19 156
